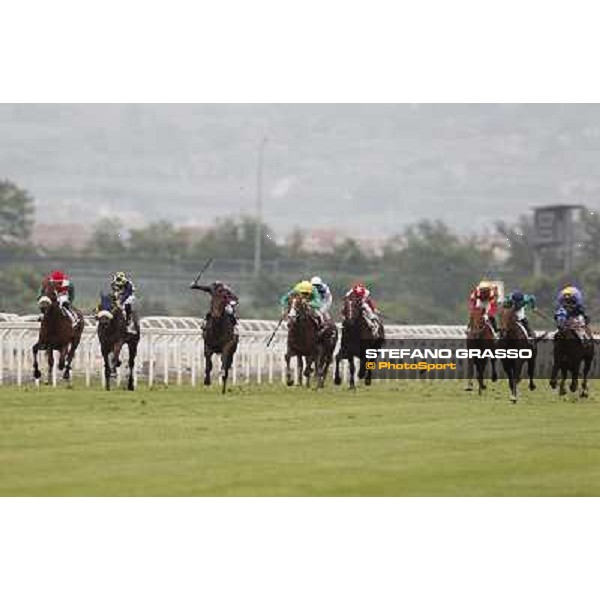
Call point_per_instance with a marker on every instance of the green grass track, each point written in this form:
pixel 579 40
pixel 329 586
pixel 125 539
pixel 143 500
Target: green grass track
pixel 402 438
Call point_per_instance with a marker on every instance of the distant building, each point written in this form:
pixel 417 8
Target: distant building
pixel 61 235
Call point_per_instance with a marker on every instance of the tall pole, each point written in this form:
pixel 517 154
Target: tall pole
pixel 259 192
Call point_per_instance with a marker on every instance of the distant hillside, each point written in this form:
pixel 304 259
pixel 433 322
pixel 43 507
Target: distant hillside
pixel 358 167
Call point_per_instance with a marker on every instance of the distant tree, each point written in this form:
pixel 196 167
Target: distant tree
pixel 160 240
pixel 16 215
pixel 235 238
pixel 439 266
pixel 108 238
pixel 590 248
pixel 294 247
pixel 519 245
pixel 19 287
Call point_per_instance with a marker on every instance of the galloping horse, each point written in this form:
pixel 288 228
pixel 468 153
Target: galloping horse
pixel 513 336
pixel 302 339
pixel 480 335
pixel 57 332
pixel 356 332
pixel 113 335
pixel 572 346
pixel 219 338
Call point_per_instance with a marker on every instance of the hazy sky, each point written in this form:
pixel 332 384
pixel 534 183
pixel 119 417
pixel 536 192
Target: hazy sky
pixel 363 168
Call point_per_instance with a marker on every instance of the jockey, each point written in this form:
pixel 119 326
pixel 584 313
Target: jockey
pixel 123 294
pixel 485 295
pixel 218 288
pixel 570 306
pixel 325 295
pixel 309 291
pixel 65 293
pixel 359 290
pixel 520 301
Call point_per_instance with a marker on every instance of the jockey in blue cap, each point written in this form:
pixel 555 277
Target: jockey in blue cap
pixel 570 306
pixel 520 302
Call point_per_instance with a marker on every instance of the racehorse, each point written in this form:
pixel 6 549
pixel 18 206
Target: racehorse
pixel 572 347
pixel 219 338
pixel 57 332
pixel 513 336
pixel 356 335
pixel 302 339
pixel 480 336
pixel 113 335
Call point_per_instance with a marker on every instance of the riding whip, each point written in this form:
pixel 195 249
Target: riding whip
pixel 275 330
pixel 206 265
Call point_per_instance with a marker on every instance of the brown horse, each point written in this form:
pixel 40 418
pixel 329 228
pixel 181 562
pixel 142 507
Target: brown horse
pixel 480 336
pixel 57 332
pixel 219 337
pixel 302 339
pixel 356 335
pixel 573 347
pixel 513 336
pixel 113 335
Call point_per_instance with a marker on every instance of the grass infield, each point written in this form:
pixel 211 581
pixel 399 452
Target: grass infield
pixel 401 438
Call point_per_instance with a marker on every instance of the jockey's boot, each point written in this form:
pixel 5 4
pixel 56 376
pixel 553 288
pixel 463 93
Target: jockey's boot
pixel 68 312
pixel 525 323
pixel 130 325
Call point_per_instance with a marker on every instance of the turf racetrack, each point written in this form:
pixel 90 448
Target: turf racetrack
pixel 402 438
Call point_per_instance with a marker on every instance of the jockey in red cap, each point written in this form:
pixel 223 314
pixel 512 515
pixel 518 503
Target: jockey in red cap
pixel 360 290
pixel 65 293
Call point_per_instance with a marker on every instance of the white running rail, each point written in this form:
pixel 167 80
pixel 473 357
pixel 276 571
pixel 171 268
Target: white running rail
pixel 171 351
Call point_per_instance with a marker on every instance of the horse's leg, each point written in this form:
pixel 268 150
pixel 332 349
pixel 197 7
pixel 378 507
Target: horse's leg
pixel 308 369
pixel 480 367
pixel 71 355
pixel 300 364
pixel 470 371
pixel 351 372
pixel 575 378
pixel 510 374
pixel 531 371
pixel 62 353
pixel 288 369
pixel 208 366
pixel 227 361
pixel 50 357
pixel 584 384
pixel 107 368
pixel 36 368
pixel 554 374
pixel 131 365
pixel 337 379
pixel 494 372
pixel 563 378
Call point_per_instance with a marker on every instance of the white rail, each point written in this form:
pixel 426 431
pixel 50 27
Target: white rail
pixel 171 351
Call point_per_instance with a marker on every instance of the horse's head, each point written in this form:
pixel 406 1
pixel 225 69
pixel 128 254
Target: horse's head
pixel 477 318
pixel 297 306
pixel 107 312
pixel 352 308
pixel 48 297
pixel 509 323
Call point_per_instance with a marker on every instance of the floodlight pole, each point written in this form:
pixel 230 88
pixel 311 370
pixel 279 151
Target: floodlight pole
pixel 259 192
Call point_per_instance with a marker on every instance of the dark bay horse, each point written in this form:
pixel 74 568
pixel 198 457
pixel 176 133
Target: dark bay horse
pixel 219 337
pixel 356 335
pixel 513 336
pixel 481 336
pixel 113 335
pixel 302 339
pixel 57 332
pixel 573 347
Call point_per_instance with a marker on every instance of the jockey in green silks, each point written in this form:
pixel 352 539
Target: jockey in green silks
pixel 307 290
